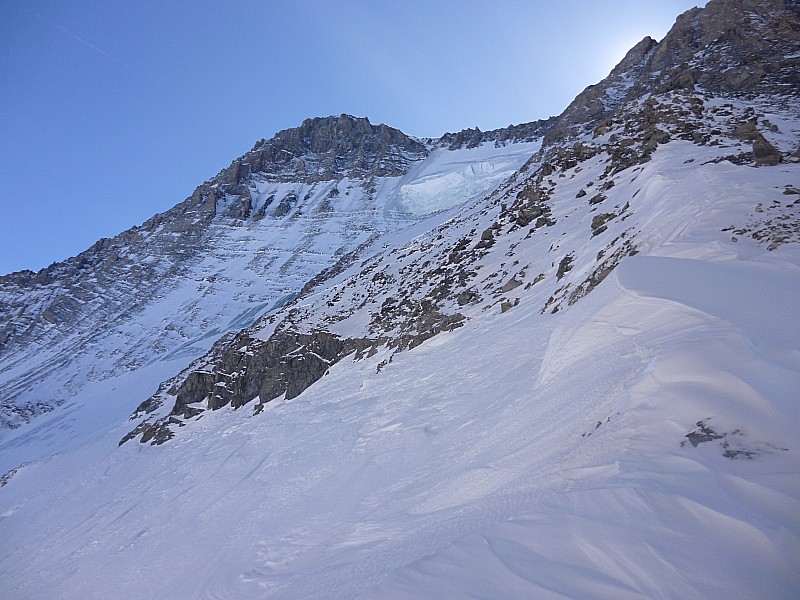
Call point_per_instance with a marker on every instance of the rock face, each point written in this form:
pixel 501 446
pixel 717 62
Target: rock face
pixel 331 147
pixel 597 101
pixel 471 138
pixel 732 46
pixel 245 370
pixel 729 47
pixel 287 363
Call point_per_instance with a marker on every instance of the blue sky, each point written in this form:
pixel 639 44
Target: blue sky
pixel 113 111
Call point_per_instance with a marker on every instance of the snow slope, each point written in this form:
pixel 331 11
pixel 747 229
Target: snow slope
pixel 582 384
pixel 638 443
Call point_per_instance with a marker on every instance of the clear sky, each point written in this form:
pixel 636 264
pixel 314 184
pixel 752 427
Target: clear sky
pixel 112 111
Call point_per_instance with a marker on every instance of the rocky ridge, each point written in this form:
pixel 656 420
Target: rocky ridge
pixel 733 48
pixel 471 138
pixel 329 148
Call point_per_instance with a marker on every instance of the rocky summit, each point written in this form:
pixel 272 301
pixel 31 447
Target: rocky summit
pixel 324 148
pixel 558 359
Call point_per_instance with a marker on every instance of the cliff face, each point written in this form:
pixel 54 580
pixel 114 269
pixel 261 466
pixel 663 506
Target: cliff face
pixel 331 147
pixel 731 46
pixel 471 138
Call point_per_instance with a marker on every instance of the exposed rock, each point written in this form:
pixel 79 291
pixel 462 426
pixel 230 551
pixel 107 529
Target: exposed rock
pixel 248 368
pixel 602 271
pixel 332 147
pixel 286 204
pixel 599 222
pixel 734 444
pixel 730 46
pixel 487 239
pixel 596 199
pixel 467 297
pixel 262 210
pixel 565 266
pixel 471 138
pixel 592 105
pixel 764 153
pixel 511 284
pixel 505 306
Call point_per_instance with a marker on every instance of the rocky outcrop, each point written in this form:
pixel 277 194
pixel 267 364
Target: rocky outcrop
pixel 598 101
pixel 247 369
pixel 764 153
pixel 731 46
pixel 287 363
pixel 328 148
pixel 471 138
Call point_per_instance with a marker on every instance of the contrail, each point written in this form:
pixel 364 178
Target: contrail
pixel 89 44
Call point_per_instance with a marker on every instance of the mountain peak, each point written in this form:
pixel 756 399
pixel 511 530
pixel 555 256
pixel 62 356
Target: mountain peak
pixel 324 148
pixel 636 55
pixel 343 124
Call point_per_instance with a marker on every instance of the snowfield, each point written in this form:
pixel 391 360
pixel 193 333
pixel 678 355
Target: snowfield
pixel 642 443
pixel 447 177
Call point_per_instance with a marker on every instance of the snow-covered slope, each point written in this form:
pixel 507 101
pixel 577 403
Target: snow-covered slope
pixel 582 385
pixel 521 455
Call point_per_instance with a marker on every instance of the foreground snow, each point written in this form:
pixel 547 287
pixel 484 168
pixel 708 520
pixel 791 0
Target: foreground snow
pixel 524 455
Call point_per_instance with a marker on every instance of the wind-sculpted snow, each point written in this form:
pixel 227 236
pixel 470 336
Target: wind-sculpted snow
pixel 581 384
pixel 521 455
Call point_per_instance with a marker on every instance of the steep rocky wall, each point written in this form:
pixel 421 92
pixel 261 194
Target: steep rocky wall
pixel 330 147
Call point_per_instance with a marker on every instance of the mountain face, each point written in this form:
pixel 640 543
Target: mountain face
pixel 325 149
pixel 289 351
pixel 243 243
pixel 558 359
